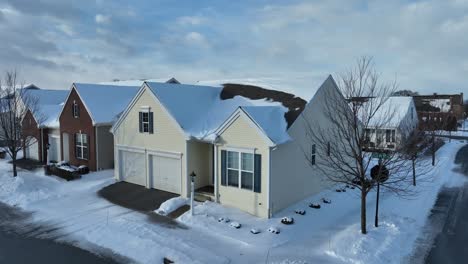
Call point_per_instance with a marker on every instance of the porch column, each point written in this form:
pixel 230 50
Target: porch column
pixel 215 164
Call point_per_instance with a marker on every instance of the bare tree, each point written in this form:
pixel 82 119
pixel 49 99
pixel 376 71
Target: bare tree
pixel 14 103
pixel 344 135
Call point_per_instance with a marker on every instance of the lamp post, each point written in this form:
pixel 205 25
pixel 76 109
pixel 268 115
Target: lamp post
pixel 192 192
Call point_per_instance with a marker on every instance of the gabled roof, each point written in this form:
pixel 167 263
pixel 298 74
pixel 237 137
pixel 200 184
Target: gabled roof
pixel 104 102
pixel 48 105
pixel 200 111
pixel 392 111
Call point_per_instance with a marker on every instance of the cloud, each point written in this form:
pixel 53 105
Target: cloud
pixel 191 20
pixel 68 30
pixel 195 38
pixel 103 19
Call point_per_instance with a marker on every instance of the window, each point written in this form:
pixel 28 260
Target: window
pixel 81 145
pixel 380 135
pixel 313 154
pixel 367 134
pixel 76 110
pixel 146 121
pixel 240 170
pixel 389 135
pixel 393 136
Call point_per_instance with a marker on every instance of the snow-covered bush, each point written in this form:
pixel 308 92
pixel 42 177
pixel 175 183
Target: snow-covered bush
pixel 235 225
pixel 254 231
pixel 224 220
pixel 287 220
pixel 300 212
pixel 274 230
pixel 315 206
pixel 327 201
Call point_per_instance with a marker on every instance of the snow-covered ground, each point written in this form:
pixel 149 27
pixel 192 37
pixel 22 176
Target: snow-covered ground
pixel 330 234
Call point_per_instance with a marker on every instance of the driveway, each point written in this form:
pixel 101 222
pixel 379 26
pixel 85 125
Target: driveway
pixel 139 198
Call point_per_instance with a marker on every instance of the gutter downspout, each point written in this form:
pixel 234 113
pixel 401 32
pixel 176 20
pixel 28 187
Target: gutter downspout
pixel 215 164
pixel 97 147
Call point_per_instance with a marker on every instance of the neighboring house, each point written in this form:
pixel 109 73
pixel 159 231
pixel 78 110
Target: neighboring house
pixel 392 123
pixel 85 120
pixel 40 126
pixel 246 152
pixel 439 111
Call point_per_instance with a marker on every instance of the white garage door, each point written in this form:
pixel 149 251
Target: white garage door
pixel 165 173
pixel 54 148
pixel 32 150
pixel 132 167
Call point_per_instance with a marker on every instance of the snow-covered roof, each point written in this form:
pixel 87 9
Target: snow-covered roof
pixel 271 121
pixel 140 82
pixel 48 105
pixel 199 110
pixel 105 102
pixel 391 112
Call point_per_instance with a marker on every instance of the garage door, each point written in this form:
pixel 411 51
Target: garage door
pixel 132 167
pixel 32 150
pixel 165 173
pixel 54 148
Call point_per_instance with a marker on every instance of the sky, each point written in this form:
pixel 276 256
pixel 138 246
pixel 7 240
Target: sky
pixel 53 43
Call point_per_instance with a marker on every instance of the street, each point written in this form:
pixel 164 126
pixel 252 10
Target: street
pixel 445 236
pixel 16 246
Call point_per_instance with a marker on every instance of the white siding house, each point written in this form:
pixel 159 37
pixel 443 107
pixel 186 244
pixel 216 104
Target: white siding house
pixel 242 149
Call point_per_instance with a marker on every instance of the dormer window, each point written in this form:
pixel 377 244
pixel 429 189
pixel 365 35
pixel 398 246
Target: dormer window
pixel 76 109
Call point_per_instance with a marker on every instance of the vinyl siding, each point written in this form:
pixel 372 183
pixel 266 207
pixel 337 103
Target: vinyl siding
pixel 167 135
pixel 105 148
pixel 243 134
pixel 199 161
pixel 292 177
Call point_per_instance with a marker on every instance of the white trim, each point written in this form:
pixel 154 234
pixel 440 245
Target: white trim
pixel 145 108
pixel 215 165
pixel 129 148
pixel 238 149
pixel 239 112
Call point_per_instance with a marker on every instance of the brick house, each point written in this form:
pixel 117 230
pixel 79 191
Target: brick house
pixel 441 111
pixel 85 122
pixel 40 127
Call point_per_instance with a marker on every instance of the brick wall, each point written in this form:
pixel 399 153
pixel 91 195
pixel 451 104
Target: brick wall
pixel 71 125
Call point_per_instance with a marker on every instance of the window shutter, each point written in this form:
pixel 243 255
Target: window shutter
pixel 150 116
pixel 73 109
pixel 257 173
pixel 140 115
pixel 223 167
pixel 77 110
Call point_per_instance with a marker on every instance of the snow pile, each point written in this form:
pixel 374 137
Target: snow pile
pixel 387 112
pixel 171 205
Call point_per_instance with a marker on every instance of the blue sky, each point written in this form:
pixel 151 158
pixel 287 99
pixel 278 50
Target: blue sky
pixel 55 42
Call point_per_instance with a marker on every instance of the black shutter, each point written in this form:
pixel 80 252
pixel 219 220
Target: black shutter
pixel 140 116
pixel 258 173
pixel 223 167
pixel 150 116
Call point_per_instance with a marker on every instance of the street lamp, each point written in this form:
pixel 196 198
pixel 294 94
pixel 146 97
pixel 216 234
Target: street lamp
pixel 192 193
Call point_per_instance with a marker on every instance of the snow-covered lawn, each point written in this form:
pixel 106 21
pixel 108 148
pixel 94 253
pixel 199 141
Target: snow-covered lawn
pixel 329 234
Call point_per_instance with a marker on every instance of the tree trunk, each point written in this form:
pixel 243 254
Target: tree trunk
pixel 376 224
pixel 363 211
pixel 414 171
pixel 433 150
pixel 15 172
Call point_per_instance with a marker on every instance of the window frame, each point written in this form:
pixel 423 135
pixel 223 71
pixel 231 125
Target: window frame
pixel 313 154
pixel 76 110
pixel 143 122
pixel 81 146
pixel 240 170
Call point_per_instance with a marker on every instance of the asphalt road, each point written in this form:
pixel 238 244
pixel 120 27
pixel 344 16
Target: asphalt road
pixel 19 243
pixel 444 239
